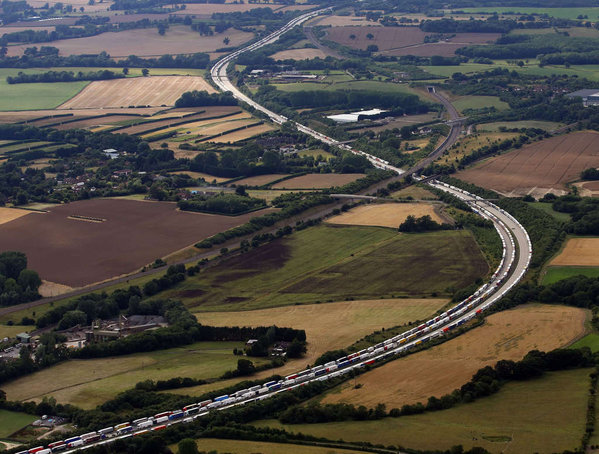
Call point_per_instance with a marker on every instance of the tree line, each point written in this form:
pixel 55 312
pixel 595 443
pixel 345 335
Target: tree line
pixel 197 98
pixel 230 204
pixel 62 76
pixel 17 283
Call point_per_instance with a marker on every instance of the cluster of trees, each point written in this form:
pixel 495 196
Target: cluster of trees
pixel 231 204
pixel 63 76
pixel 203 98
pixel 583 211
pixel 590 174
pixel 174 275
pixel 17 283
pixel 421 224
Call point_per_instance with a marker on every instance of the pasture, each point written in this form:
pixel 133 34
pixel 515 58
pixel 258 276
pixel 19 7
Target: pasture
pixel 591 340
pixel 544 415
pixel 578 252
pixel 466 145
pixel 145 91
pixel 496 126
pixel 38 95
pixel 330 326
pixel 318 181
pixel 416 192
pixel 539 167
pixel 385 215
pixel 439 370
pixel 479 102
pixel 334 263
pixel 12 421
pixel 558 273
pixel 133 235
pixel 299 54
pixel 255 447
pixel 88 383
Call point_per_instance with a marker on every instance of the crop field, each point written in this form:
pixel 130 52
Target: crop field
pixel 134 234
pixel 38 95
pixel 539 167
pixel 543 415
pixel 255 447
pixel 87 383
pixel 385 215
pixel 578 252
pixel 207 127
pixel 479 102
pixel 243 134
pixel 145 42
pixel 154 91
pixel 331 326
pixel 10 214
pixel 334 263
pixel 318 181
pixel 299 54
pixel 11 421
pixel 260 180
pixel 494 127
pixel 439 370
pixel 12 116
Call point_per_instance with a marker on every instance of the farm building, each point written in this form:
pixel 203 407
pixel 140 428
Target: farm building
pixel 590 96
pixel 355 116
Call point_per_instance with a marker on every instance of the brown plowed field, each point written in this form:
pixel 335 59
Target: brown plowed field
pixel 578 252
pixel 318 181
pixel 385 215
pixel 538 167
pixel 156 91
pixel 76 253
pixel 405 40
pixel 145 42
pixel 439 370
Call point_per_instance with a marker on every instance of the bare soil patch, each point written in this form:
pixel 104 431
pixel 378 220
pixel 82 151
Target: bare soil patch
pixel 48 289
pixel 588 188
pixel 146 42
pixel 156 91
pixel 385 215
pixel 318 181
pixel 331 326
pixel 578 252
pixel 10 214
pixel 506 335
pixel 544 166
pixel 299 54
pixel 135 233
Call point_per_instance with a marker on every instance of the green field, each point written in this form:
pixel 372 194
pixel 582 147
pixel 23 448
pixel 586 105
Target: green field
pixel 494 127
pixel 548 208
pixel 560 13
pixel 544 415
pixel 12 331
pixel 557 273
pixel 11 421
pixel 333 263
pixel 87 383
pixel 256 447
pixel 479 102
pixel 590 340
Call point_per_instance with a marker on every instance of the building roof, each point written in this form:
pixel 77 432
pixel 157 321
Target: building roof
pixel 585 93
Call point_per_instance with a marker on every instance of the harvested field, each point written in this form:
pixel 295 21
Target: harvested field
pixel 205 176
pixel 318 181
pixel 506 335
pixel 10 214
pixel 108 121
pixel 154 91
pixel 244 134
pixel 299 54
pixel 331 326
pixel 542 167
pixel 146 42
pixel 31 115
pixel 385 215
pixel 578 252
pixel 53 289
pixel 260 180
pixel 543 415
pixel 254 447
pixel 134 234
pixel 207 127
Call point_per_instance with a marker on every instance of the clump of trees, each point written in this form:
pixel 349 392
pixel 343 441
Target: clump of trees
pixel 231 204
pixel 17 283
pixel 203 98
pixel 424 223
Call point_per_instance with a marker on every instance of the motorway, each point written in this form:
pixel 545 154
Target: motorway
pixel 517 252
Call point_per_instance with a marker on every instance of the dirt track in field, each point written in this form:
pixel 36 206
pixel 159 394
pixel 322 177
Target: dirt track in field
pixel 439 370
pixel 76 253
pixel 136 91
pixel 385 215
pixel 539 167
pixel 578 252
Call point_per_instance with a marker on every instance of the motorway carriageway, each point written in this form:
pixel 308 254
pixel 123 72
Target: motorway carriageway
pixel 517 252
